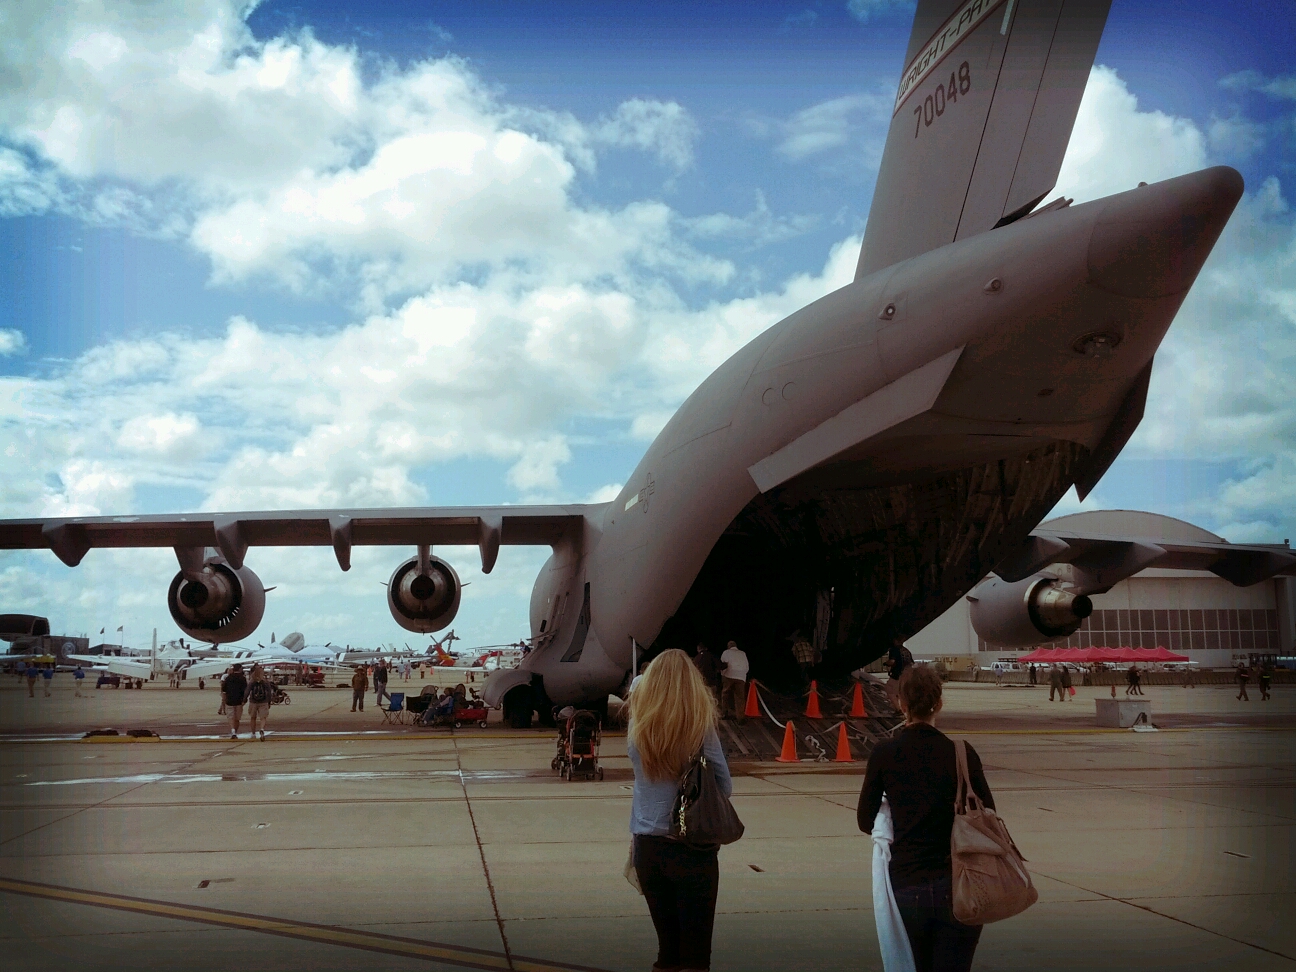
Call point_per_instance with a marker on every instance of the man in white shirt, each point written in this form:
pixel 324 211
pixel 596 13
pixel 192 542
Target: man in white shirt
pixel 733 685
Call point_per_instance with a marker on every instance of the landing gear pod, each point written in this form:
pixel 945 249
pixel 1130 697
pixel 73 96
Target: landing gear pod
pixel 217 604
pixel 425 599
pixel 1026 612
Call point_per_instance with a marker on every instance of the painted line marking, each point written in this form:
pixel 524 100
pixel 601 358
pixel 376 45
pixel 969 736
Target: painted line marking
pixel 457 955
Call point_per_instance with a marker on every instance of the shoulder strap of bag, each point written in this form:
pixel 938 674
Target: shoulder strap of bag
pixel 965 797
pixel 960 761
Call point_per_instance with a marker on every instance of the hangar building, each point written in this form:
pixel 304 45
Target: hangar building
pixel 1216 624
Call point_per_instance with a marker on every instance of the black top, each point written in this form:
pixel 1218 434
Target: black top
pixel 916 770
pixel 380 675
pixel 709 665
pixel 900 658
pixel 235 688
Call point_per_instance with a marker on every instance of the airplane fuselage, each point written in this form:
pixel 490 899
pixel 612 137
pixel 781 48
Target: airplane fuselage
pixel 884 446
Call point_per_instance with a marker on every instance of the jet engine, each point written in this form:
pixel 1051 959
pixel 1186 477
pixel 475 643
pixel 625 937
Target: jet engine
pixel 424 597
pixel 217 603
pixel 1026 612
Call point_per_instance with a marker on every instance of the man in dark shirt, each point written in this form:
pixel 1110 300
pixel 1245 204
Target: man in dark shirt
pixel 898 659
pixel 709 665
pixel 234 690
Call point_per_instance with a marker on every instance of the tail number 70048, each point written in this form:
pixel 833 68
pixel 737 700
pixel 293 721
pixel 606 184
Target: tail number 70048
pixel 933 106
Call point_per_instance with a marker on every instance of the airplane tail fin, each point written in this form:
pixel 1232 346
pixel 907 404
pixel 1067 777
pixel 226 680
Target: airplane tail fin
pixel 981 121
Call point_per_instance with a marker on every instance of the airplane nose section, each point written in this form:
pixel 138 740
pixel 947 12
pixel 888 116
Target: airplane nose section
pixel 1152 241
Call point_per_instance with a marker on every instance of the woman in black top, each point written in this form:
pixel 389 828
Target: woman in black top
pixel 916 770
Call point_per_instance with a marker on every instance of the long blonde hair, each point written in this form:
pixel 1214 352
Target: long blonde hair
pixel 671 711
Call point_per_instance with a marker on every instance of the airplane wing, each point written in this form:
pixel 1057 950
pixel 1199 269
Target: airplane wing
pixel 987 100
pixel 233 533
pixel 1098 562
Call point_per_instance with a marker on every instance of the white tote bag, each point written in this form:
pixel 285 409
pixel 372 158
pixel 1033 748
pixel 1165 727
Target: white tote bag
pixel 893 940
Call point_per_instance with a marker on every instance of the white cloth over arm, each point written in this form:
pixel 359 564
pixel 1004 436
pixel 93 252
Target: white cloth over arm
pixel 893 940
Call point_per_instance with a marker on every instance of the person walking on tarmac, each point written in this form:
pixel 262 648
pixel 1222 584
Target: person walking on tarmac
pixel 380 683
pixel 234 689
pixel 1066 684
pixel 359 685
pixel 1265 679
pixel 916 769
pixel 32 674
pixel 1243 676
pixel 260 694
pixel 672 719
pixel 1055 683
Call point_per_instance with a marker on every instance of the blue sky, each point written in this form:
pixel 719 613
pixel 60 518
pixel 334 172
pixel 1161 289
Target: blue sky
pixel 464 253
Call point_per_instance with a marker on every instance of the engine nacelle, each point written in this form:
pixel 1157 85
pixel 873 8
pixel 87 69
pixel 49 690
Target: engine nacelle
pixel 424 602
pixel 221 605
pixel 1024 613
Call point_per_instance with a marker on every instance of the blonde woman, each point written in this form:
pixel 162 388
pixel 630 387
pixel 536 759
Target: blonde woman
pixel 672 719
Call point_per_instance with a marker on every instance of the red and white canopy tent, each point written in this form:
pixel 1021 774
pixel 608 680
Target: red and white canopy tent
pixel 1047 656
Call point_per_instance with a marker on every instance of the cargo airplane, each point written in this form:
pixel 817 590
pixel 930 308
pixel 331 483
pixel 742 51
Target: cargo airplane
pixel 862 464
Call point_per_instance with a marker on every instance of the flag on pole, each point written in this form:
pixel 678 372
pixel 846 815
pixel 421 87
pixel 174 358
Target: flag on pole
pixel 121 627
pixel 101 630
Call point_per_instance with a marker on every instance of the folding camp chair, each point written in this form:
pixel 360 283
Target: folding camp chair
pixel 395 709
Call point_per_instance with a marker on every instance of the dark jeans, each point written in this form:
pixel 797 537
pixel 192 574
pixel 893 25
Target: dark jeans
pixel 680 887
pixel 940 942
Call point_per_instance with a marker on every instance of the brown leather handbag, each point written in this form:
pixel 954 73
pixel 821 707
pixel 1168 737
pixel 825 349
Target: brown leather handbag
pixel 991 882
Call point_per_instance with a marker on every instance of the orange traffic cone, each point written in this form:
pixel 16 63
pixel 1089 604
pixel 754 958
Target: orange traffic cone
pixel 843 746
pixel 789 745
pixel 812 706
pixel 753 704
pixel 857 703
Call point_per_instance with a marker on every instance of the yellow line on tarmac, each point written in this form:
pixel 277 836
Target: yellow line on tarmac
pixel 457 955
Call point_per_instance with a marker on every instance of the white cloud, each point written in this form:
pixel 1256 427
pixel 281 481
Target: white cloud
pixel 281 159
pixel 664 128
pixel 1281 86
pixel 537 469
pixel 759 227
pixel 1235 137
pixel 12 342
pixel 167 434
pixel 833 124
pixel 1115 146
pixel 866 10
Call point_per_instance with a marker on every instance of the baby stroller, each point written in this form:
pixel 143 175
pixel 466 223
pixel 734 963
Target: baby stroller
pixel 579 736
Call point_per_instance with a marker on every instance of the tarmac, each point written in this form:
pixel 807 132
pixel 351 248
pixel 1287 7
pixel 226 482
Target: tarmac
pixel 341 842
